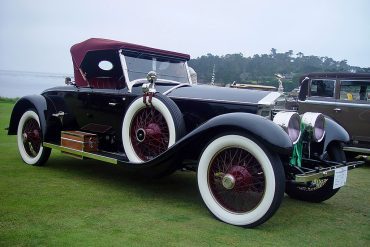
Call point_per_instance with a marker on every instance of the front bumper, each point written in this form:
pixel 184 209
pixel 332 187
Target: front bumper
pixel 308 175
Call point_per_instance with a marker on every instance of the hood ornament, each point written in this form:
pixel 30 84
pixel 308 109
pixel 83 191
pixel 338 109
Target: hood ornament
pixel 149 87
pixel 280 77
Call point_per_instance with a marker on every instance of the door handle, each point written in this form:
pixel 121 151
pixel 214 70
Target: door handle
pixel 337 109
pixel 112 103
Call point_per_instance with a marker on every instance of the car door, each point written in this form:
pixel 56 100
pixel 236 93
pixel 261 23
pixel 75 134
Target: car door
pixel 321 97
pixel 352 109
pixel 77 102
pixel 106 109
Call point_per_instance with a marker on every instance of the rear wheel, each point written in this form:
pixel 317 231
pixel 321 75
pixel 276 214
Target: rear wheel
pixel 29 138
pixel 320 189
pixel 240 182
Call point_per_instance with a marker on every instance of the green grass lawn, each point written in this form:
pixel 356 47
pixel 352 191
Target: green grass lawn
pixel 80 203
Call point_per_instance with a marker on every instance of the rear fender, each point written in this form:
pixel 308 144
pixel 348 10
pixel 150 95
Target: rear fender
pixel 25 103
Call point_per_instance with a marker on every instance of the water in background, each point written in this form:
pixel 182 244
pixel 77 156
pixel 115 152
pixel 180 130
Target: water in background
pixel 19 83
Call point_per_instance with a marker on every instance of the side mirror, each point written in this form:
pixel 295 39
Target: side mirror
pixel 68 81
pixel 303 89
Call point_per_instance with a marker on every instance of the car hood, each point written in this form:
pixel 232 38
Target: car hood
pixel 225 94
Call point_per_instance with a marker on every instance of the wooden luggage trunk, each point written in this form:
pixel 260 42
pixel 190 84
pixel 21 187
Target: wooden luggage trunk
pixel 80 140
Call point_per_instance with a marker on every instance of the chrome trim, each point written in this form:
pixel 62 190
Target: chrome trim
pixel 130 84
pixel 215 100
pixel 357 150
pixel 81 153
pixel 354 80
pixel 325 172
pixel 317 102
pixel 144 80
pixel 176 87
pixel 309 119
pixel 188 72
pixel 228 181
pixel 363 105
pixel 125 71
pixel 269 99
pixel 283 119
pixel 59 114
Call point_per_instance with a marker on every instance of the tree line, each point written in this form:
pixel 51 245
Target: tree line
pixel 261 69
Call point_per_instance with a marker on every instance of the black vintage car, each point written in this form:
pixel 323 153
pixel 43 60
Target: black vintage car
pixel 139 109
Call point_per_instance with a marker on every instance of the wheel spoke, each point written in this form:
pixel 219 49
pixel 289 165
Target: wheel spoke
pixel 31 137
pixel 249 186
pixel 156 133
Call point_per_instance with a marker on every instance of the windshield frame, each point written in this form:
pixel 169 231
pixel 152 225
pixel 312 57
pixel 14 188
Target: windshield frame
pixel 131 83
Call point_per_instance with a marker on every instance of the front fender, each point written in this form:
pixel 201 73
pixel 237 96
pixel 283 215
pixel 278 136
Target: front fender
pixel 36 102
pixel 264 130
pixel 191 145
pixel 334 132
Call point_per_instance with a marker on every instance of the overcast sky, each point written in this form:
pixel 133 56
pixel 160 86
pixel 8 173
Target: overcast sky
pixel 36 35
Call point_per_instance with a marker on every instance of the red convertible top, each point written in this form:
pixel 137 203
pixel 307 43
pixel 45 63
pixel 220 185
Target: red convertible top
pixel 80 50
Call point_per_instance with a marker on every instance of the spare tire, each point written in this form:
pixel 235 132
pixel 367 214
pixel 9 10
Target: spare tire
pixel 150 129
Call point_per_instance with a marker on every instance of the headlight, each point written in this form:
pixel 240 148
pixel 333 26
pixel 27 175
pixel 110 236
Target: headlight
pixel 290 122
pixel 315 124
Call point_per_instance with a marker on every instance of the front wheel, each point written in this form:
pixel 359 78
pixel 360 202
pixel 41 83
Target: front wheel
pixel 240 182
pixel 321 189
pixel 29 138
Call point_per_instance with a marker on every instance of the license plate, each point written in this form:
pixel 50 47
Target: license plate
pixel 340 177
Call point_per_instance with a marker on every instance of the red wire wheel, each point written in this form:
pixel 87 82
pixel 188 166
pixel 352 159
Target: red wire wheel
pixel 149 133
pixel 240 181
pixel 236 180
pixel 150 128
pixel 29 138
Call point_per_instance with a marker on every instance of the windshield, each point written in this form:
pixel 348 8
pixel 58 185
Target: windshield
pixel 139 64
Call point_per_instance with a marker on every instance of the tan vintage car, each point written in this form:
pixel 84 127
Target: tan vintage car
pixel 345 97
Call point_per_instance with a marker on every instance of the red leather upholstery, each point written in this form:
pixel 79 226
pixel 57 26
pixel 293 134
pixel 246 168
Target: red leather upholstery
pixel 106 83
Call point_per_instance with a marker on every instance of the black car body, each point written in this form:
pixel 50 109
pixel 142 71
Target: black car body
pixel 149 117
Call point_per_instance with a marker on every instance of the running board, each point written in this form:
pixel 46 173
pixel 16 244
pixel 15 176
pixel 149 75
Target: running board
pixel 357 150
pixel 81 154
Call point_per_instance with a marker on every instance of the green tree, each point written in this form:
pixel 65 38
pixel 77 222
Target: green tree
pixel 261 68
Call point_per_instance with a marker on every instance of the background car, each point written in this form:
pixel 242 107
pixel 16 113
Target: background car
pixel 345 97
pixel 137 107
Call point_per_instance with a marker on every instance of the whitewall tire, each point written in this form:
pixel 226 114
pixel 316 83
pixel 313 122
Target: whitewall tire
pixel 149 130
pixel 239 181
pixel 29 139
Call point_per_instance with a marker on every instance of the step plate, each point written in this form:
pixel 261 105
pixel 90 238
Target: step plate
pixel 96 156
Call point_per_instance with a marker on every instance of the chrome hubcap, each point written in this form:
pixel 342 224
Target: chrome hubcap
pixel 228 181
pixel 140 135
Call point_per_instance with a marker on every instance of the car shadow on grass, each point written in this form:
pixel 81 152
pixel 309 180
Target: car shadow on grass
pixel 180 186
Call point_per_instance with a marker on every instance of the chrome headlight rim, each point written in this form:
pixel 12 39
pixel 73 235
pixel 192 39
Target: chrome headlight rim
pixel 291 124
pixel 314 124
